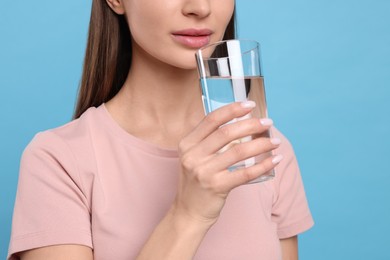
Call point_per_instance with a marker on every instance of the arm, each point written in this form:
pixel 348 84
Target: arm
pixel 289 248
pixel 50 208
pixel 61 252
pixel 176 237
pixel 205 181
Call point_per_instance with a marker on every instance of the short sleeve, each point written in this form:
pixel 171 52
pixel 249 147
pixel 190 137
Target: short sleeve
pixel 290 210
pixel 50 207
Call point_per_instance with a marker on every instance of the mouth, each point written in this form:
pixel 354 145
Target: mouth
pixel 193 38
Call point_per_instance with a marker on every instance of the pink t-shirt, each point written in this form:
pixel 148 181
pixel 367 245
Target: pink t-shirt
pixel 91 183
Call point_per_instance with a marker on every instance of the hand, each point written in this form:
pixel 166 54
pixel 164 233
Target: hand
pixel 205 180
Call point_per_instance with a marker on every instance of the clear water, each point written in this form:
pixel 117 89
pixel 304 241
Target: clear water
pixel 218 91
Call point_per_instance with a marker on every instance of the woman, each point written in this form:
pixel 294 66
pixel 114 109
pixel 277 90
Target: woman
pixel 136 175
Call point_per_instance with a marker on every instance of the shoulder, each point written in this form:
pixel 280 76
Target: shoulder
pixel 77 131
pixel 286 149
pixel 290 209
pixel 287 171
pixel 68 146
pixel 55 183
pixel 275 132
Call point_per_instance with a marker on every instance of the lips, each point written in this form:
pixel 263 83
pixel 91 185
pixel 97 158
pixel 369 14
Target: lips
pixel 193 38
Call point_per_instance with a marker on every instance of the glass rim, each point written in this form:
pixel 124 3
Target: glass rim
pixel 200 50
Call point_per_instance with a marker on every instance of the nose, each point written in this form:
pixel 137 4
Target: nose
pixel 197 8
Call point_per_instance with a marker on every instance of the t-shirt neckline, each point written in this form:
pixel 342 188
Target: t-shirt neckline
pixel 131 139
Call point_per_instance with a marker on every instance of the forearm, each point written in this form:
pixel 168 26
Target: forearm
pixel 205 181
pixel 176 237
pixel 289 248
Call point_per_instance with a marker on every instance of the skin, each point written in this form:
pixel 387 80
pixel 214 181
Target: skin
pixel 157 104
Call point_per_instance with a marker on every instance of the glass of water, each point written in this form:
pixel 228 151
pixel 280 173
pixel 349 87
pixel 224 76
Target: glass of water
pixel 230 71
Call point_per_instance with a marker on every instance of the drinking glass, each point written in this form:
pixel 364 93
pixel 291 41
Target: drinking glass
pixel 230 71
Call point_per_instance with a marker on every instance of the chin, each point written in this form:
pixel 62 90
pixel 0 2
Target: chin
pixel 185 64
pixel 188 67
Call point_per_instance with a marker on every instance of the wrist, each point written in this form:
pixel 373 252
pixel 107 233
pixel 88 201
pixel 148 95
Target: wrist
pixel 183 219
pixel 177 236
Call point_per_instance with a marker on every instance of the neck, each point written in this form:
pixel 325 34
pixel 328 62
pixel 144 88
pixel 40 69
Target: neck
pixel 158 102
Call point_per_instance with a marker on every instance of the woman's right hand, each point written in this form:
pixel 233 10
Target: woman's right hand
pixel 205 180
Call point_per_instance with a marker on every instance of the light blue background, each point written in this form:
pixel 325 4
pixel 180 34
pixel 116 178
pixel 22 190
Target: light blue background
pixel 327 68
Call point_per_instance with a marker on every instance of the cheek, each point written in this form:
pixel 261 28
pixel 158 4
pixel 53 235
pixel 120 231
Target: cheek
pixel 144 28
pixel 143 17
pixel 229 14
pixel 223 15
pixel 226 13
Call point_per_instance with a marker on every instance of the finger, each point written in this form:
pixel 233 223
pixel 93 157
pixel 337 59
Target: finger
pixel 231 180
pixel 233 133
pixel 214 120
pixel 241 151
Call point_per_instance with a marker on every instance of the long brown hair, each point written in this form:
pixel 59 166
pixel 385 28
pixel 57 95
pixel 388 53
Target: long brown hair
pixel 108 56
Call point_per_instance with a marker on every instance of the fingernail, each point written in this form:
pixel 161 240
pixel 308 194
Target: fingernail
pixel 275 141
pixel 277 159
pixel 248 104
pixel 266 122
